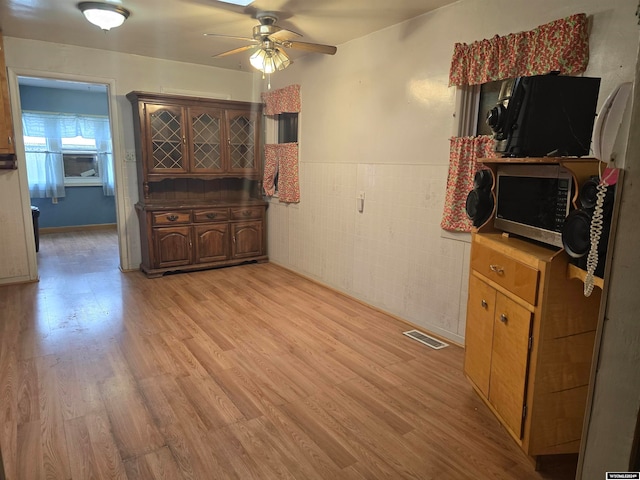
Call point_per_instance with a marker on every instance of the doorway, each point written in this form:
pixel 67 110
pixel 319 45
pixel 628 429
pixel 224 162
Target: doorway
pixel 80 154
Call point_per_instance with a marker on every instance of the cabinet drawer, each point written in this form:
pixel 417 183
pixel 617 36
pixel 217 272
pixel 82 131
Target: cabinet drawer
pixel 171 218
pixel 211 215
pixel 516 277
pixel 246 213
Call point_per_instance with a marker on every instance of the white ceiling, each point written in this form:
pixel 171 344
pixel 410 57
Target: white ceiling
pixel 173 29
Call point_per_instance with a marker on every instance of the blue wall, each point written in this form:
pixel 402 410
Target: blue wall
pixel 44 99
pixel 82 205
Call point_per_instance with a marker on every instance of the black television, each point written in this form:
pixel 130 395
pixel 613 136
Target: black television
pixel 545 115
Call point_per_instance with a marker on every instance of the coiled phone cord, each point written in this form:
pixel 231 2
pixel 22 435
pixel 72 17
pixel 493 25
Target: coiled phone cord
pixel 595 232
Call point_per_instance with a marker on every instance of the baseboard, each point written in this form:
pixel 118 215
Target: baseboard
pixel 78 228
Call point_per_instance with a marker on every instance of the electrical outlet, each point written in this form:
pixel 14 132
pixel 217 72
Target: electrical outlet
pixel 130 156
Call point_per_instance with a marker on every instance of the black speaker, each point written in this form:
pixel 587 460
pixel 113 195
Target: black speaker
pixel 479 205
pixel 576 231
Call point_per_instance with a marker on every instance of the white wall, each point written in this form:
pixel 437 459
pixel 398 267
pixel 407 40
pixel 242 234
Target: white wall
pixel 127 73
pixel 376 118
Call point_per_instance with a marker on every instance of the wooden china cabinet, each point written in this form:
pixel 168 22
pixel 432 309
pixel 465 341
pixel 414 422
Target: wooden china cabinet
pixel 199 178
pixel 530 332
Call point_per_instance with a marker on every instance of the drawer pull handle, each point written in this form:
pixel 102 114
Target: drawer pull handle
pixel 503 318
pixel 172 218
pixel 497 269
pixel 484 304
pixel 246 213
pixel 212 215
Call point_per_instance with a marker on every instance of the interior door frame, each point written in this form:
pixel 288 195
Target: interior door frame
pixel 118 153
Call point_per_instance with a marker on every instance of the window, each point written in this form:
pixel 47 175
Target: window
pixel 81 168
pixel 488 97
pixel 287 127
pixel 79 159
pixel 474 103
pixel 67 149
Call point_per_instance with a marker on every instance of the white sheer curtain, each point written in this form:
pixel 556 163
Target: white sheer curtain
pixel 44 161
pixel 102 136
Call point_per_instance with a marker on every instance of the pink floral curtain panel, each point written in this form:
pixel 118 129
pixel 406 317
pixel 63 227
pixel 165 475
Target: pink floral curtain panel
pixel 560 46
pixel 283 158
pixel 463 155
pixel 283 100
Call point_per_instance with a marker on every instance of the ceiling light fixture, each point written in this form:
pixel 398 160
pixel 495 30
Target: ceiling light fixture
pixel 104 15
pixel 268 59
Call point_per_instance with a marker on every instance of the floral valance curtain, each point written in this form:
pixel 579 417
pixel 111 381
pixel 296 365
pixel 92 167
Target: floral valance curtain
pixel 283 100
pixel 281 159
pixel 559 46
pixel 463 155
pixel 45 162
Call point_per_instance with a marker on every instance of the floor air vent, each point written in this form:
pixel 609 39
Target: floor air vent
pixel 426 339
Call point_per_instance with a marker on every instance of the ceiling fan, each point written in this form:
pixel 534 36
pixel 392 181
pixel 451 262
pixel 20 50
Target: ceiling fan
pixel 270 41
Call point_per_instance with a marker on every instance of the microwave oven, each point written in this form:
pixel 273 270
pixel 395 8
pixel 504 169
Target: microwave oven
pixel 533 201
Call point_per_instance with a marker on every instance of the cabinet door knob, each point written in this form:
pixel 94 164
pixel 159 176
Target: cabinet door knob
pixel 503 318
pixel 246 213
pixel 212 215
pixel 172 218
pixel 483 303
pixel 497 269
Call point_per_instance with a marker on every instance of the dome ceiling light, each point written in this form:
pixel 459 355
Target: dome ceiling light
pixel 104 15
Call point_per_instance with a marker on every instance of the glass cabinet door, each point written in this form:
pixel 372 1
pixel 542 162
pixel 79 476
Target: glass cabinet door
pixel 205 132
pixel 243 141
pixel 166 139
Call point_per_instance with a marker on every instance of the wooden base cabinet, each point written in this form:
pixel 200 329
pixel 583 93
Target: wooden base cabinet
pixel 207 238
pixel 529 341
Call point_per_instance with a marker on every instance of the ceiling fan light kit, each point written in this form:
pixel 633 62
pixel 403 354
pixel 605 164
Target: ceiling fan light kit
pixel 104 15
pixel 268 60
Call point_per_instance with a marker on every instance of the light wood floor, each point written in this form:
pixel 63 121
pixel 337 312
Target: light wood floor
pixel 247 372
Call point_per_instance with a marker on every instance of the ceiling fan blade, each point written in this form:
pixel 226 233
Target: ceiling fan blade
pixel 283 35
pixel 235 50
pixel 246 39
pixel 310 47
